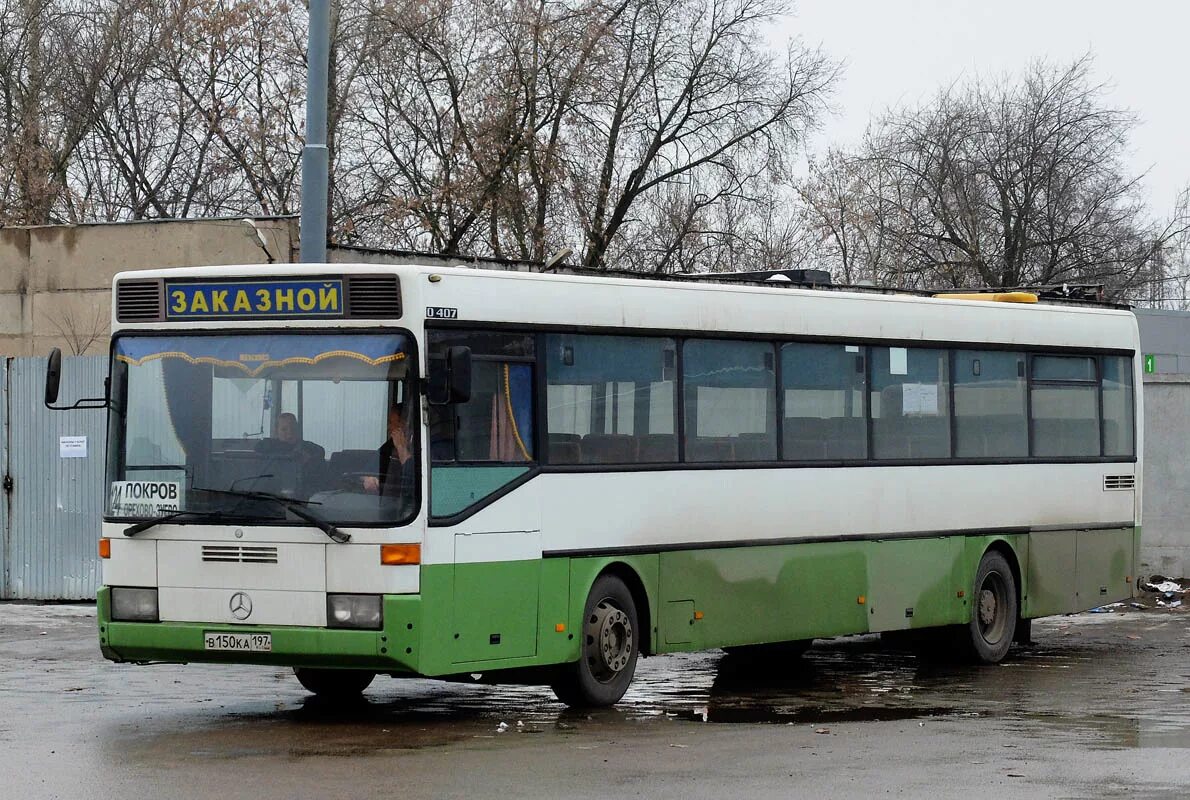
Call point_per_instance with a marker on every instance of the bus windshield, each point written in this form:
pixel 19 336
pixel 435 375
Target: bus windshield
pixel 211 424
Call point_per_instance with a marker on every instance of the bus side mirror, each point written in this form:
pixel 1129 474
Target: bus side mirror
pixel 53 382
pixel 53 377
pixel 450 377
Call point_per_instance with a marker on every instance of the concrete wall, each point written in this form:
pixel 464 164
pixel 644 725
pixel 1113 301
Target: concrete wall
pixel 55 281
pixel 1165 544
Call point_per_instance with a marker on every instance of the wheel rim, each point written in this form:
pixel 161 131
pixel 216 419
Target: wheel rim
pixel 610 641
pixel 992 609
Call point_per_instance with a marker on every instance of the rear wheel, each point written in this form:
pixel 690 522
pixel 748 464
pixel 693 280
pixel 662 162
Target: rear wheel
pixel 993 615
pixel 610 646
pixel 334 684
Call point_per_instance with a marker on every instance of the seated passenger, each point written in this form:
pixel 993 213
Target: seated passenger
pixel 288 441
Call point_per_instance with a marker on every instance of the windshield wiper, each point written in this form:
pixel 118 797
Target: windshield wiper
pixel 296 507
pixel 133 530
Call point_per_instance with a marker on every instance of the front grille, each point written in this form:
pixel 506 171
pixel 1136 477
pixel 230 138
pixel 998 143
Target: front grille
pixel 239 554
pixel 139 301
pixel 1112 483
pixel 373 296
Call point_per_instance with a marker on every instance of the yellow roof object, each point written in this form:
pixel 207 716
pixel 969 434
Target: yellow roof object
pixel 994 297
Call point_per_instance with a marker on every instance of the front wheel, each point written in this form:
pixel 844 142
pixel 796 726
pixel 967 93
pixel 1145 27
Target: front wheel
pixel 334 684
pixel 993 618
pixel 610 646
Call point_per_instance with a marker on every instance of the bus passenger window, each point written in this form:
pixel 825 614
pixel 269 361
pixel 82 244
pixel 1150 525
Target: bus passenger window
pixel 730 393
pixel 610 399
pixel 1118 411
pixel 823 387
pixel 910 403
pixel 1065 407
pixel 989 405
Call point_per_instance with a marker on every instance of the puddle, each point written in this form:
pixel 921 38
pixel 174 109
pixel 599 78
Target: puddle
pixel 1043 693
pixel 814 715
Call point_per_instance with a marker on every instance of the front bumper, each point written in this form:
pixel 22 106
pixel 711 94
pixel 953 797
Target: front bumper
pixel 395 648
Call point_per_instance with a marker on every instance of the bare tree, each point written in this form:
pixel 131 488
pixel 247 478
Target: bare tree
pixel 623 126
pixel 691 90
pixel 1005 183
pixel 81 327
pixel 47 89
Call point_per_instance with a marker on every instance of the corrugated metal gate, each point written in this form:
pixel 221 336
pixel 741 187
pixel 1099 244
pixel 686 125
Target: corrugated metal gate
pixel 54 502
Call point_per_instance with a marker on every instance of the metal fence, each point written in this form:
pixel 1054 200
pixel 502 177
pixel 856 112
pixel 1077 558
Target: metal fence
pixel 53 464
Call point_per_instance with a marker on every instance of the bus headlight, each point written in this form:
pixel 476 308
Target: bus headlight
pixel 134 605
pixel 353 611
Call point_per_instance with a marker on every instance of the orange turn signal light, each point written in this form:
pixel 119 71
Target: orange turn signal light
pixel 394 554
pixel 698 615
pixel 105 548
pixel 861 600
pixel 560 627
pixel 960 593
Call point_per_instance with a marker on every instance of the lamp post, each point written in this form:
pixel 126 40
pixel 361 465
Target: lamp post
pixel 315 159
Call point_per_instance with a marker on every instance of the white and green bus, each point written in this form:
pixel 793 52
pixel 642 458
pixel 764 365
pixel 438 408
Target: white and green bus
pixel 358 469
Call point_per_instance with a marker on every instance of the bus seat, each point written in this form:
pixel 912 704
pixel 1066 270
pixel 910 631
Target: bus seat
pixel 346 465
pixel 608 448
pixel 564 448
pixel 565 453
pixel 709 449
pixel 754 447
pixel 657 448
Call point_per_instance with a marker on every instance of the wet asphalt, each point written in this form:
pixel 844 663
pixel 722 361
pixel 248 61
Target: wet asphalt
pixel 1098 707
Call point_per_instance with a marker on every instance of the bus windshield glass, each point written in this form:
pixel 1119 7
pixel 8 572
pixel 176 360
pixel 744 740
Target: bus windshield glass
pixel 236 427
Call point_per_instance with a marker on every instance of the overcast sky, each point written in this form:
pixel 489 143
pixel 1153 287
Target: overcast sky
pixel 901 51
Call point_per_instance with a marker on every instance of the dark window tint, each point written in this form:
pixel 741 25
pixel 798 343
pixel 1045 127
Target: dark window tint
pixel 730 394
pixel 1063 368
pixel 1118 413
pixel 823 386
pixel 989 405
pixel 910 395
pixel 610 399
pixel 484 343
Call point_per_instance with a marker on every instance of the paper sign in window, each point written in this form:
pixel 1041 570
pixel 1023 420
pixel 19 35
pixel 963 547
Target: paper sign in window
pixel 919 399
pixel 898 361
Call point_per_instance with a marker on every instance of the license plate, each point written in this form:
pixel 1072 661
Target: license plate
pixel 240 642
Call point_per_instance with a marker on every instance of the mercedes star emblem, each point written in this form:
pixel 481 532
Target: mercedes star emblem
pixel 240 605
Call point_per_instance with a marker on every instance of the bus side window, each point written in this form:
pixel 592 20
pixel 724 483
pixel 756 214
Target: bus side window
pixel 611 399
pixel 479 446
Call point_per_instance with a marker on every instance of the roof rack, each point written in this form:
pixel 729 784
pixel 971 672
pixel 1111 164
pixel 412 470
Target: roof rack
pixel 813 278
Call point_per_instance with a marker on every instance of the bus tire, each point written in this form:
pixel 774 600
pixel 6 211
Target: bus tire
pixel 334 684
pixel 994 610
pixel 610 646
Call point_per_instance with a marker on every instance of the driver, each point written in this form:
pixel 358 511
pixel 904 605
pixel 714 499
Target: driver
pixel 397 471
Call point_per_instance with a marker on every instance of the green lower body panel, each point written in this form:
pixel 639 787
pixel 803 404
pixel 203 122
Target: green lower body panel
pixel 750 595
pixel 1072 571
pixel 492 616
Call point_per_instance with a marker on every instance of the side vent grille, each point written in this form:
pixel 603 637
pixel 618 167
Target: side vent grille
pixel 139 301
pixel 1114 483
pixel 373 296
pixel 239 554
